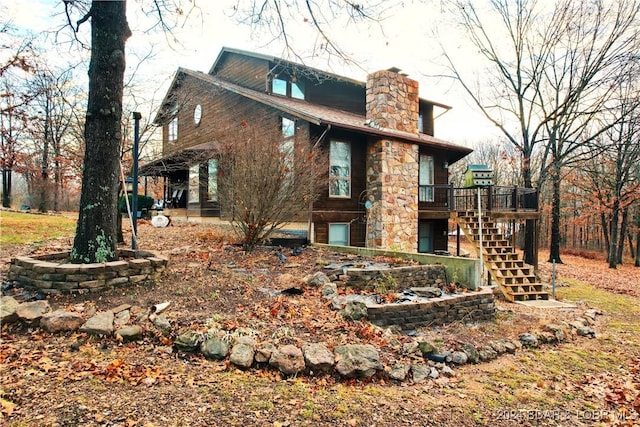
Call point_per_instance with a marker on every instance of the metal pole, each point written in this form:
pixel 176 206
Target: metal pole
pixel 480 237
pixel 134 194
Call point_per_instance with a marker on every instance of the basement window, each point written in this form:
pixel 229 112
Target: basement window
pixel 339 234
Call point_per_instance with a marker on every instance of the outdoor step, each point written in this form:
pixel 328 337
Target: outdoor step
pixel 528 296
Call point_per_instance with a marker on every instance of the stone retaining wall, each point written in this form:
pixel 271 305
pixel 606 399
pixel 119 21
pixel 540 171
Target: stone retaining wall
pixel 392 278
pixel 47 274
pixel 467 307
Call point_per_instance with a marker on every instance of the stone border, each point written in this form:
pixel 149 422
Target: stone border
pixel 468 307
pixel 43 273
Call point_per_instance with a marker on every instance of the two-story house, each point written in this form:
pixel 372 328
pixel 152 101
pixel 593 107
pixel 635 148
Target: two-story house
pixel 388 174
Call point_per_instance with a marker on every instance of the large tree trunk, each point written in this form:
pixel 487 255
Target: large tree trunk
pixel 554 249
pixel 6 188
pixel 623 235
pixel 95 239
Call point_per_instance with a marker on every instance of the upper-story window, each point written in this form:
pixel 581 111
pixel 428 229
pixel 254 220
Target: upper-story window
pixel 172 129
pixel 287 86
pixel 339 169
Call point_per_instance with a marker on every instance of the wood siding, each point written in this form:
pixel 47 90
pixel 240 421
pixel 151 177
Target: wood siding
pixel 244 71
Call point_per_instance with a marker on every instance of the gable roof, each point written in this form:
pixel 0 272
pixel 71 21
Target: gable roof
pixel 327 116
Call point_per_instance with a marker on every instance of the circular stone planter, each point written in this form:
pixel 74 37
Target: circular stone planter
pixel 51 274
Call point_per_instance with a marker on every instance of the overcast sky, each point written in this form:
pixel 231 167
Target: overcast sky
pixel 407 43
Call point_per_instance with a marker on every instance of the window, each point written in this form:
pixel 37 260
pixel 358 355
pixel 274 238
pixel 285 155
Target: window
pixel 339 234
pixel 290 87
pixel 340 169
pixel 172 131
pixel 194 184
pixel 279 86
pixel 425 180
pixel 288 127
pixel 287 145
pixel 297 89
pixel 212 180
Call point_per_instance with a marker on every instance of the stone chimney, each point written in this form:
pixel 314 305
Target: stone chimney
pixel 392 165
pixel 392 101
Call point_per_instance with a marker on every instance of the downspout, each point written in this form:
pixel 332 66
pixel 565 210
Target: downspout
pixel 310 214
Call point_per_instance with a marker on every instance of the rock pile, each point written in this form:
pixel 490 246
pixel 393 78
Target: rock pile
pixel 417 361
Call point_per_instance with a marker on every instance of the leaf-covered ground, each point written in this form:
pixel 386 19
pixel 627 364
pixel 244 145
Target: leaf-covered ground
pixel 75 380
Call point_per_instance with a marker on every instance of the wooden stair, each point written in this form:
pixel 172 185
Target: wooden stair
pixel 506 267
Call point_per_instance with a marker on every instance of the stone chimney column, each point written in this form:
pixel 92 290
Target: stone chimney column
pixel 392 101
pixel 392 165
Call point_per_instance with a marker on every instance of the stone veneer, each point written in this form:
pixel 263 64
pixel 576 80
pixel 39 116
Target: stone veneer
pixel 394 279
pixel 392 101
pixel 467 307
pixel 47 274
pixel 392 172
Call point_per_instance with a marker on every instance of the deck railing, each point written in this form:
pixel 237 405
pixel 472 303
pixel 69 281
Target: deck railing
pixel 492 198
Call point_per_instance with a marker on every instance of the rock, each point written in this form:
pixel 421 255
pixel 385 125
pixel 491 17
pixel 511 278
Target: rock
pixel 557 331
pixel 586 331
pixel 410 347
pixel 329 290
pixel 420 373
pixel 32 311
pixel 509 346
pixel 263 353
pixel 60 320
pixel 318 357
pixel 100 324
pixel 592 313
pixel 577 323
pixel 399 371
pixel 528 340
pixel 426 348
pixel 242 352
pixel 428 292
pixel 214 348
pixel 318 279
pixel 434 374
pixel 354 310
pixel 498 346
pixel 487 353
pixel 447 371
pixel 459 357
pixel 471 352
pixel 120 308
pixel 161 322
pixel 288 359
pixel 357 360
pixel 122 317
pixel 188 341
pixel 8 306
pixel 129 333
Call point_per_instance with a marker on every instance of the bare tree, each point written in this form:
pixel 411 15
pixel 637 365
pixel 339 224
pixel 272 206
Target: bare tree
pixel 546 75
pixel 53 113
pixel 615 173
pixel 267 178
